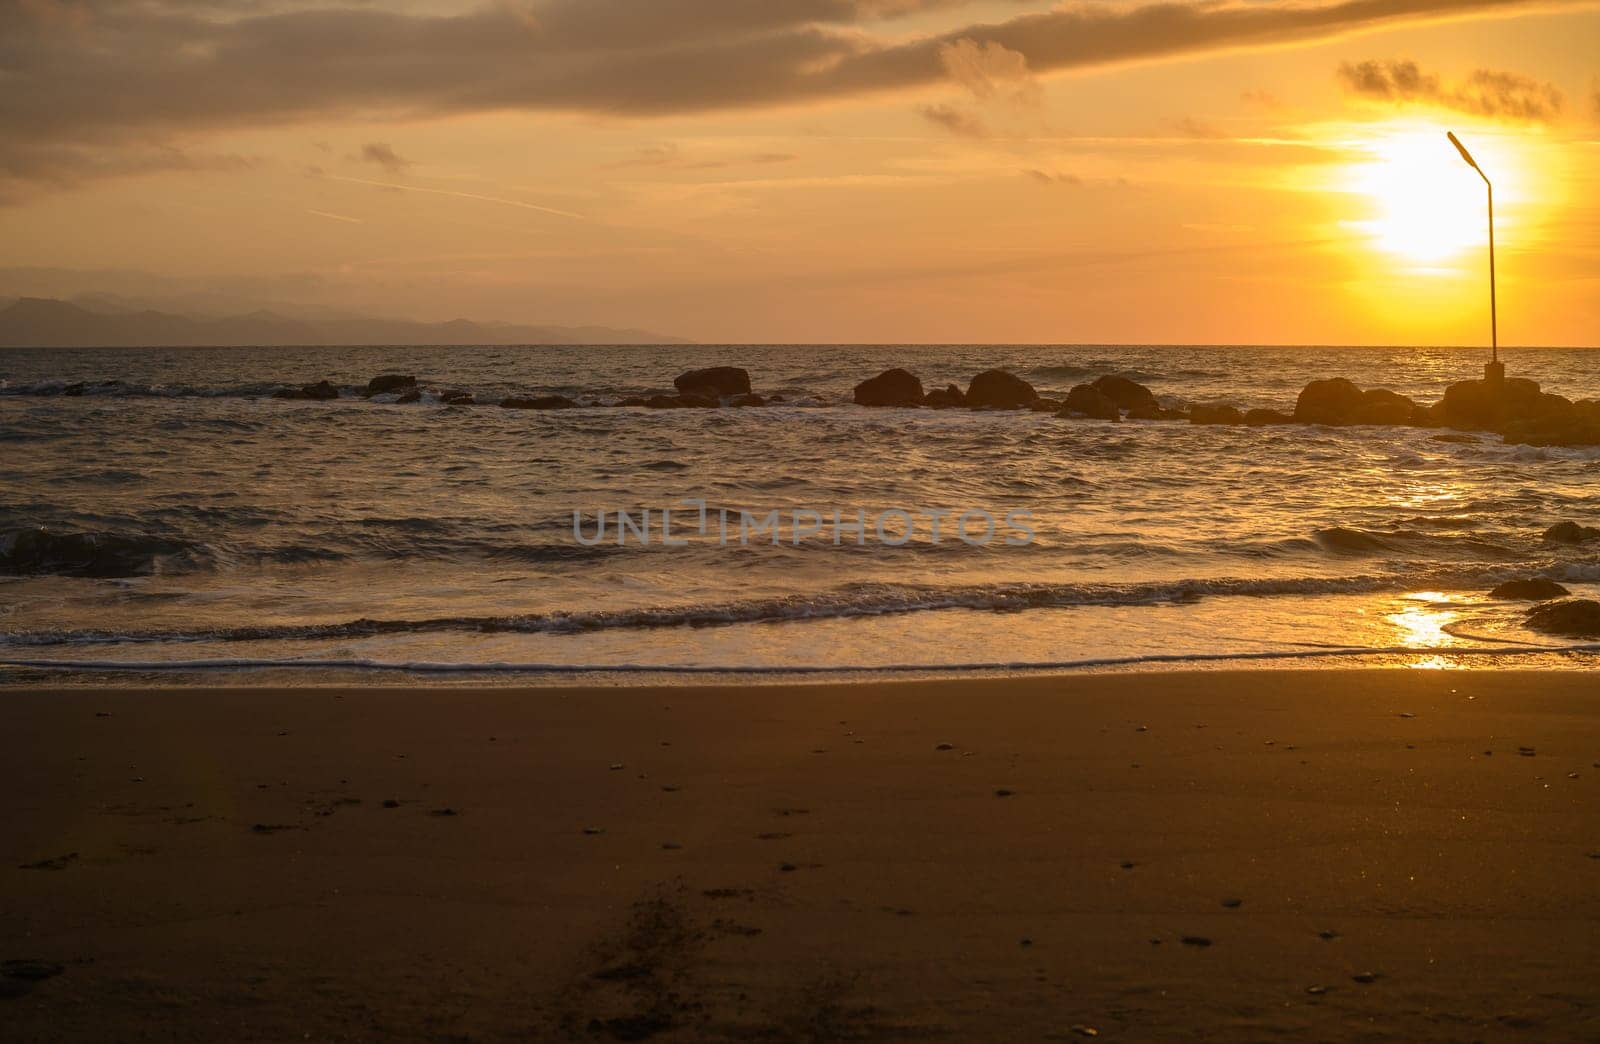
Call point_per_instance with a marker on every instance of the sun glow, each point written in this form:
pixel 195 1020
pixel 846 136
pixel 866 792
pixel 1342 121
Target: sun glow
pixel 1429 206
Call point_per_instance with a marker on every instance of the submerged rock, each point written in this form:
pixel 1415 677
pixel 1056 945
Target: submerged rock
pixel 389 382
pixel 542 402
pixel 1570 533
pixel 319 392
pixel 1127 394
pixel 1215 415
pixel 999 390
pixel 945 398
pixel 408 397
pixel 1263 418
pixel 1536 589
pixel 1578 618
pixel 1044 405
pixel 1086 400
pixel 457 398
pixel 751 399
pixel 714 381
pixel 1156 413
pixel 894 387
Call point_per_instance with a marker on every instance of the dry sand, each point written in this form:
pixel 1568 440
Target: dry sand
pixel 1333 856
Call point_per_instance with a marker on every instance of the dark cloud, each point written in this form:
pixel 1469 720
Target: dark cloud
pixel 110 73
pixel 1486 92
pixel 955 120
pixel 384 156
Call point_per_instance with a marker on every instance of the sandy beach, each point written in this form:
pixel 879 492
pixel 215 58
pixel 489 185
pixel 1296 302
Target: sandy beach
pixel 1353 855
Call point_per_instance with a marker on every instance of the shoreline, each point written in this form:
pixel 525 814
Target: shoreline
pixel 966 858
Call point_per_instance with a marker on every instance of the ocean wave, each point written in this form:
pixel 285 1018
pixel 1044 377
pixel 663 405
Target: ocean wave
pixel 1342 540
pixel 502 667
pixel 860 601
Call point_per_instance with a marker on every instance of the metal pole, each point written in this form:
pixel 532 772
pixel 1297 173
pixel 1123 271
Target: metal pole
pixel 1494 317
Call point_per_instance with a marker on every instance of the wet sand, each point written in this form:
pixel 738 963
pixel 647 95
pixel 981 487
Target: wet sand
pixel 1335 856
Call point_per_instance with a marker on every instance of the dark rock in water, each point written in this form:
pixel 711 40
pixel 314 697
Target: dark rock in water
pixel 715 380
pixel 664 402
pixel 1537 589
pixel 1000 390
pixel 1578 618
pixel 1381 406
pixel 73 390
pixel 1043 405
pixel 1153 412
pixel 319 392
pixel 1485 405
pixel 634 400
pixel 26 968
pixel 1570 533
pixel 747 400
pixel 945 398
pixel 1339 402
pixel 1331 401
pixel 1263 418
pixel 542 402
pixel 1088 401
pixel 774 398
pixel 40 551
pixel 894 387
pixel 699 400
pixel 1215 415
pixel 1125 393
pixel 414 395
pixel 389 382
pixel 456 398
pixel 1456 437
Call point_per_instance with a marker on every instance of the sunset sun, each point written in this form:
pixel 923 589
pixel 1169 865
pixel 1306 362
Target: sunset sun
pixel 1426 205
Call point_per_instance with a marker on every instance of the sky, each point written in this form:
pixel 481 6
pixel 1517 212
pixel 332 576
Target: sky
pixel 809 171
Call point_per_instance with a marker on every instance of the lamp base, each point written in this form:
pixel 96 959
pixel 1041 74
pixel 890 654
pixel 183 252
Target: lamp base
pixel 1495 372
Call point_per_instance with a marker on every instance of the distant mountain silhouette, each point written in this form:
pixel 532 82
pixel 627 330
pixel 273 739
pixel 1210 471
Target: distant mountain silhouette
pixel 36 322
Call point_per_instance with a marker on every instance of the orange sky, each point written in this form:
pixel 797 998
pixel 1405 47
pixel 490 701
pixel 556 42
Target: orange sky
pixel 817 170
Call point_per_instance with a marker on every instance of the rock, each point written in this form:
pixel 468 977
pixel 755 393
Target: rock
pixel 74 390
pixel 406 398
pixel 1156 413
pixel 1262 418
pixel 747 400
pixel 1086 400
pixel 634 400
pixel 945 398
pixel 1578 618
pixel 542 402
pixel 1215 415
pixel 1043 405
pixel 1570 533
pixel 999 390
pixel 456 398
pixel 1537 589
pixel 1125 393
pixel 774 398
pixel 894 387
pixel 1484 406
pixel 715 380
pixel 1339 402
pixel 319 392
pixel 664 402
pixel 389 382
pixel 699 400
pixel 1331 401
pixel 29 969
pixel 1381 406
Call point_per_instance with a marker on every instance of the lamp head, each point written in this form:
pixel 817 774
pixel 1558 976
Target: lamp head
pixel 1463 150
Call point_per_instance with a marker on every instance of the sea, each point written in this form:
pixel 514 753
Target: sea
pixel 176 524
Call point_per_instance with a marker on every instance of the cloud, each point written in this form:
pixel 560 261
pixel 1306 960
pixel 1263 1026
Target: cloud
pixel 380 153
pixel 1047 178
pixel 117 74
pixel 990 70
pixel 956 120
pixel 1486 92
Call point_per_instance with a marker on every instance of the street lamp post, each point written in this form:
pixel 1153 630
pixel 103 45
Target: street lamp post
pixel 1495 372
